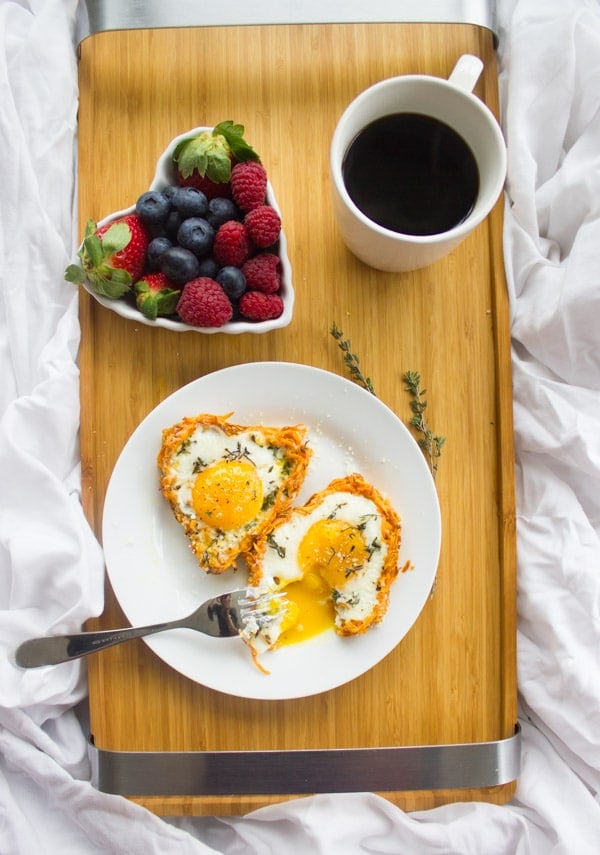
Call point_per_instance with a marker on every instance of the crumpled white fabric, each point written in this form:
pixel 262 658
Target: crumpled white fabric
pixel 51 566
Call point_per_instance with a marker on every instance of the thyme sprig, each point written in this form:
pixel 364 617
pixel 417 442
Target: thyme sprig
pixel 351 360
pixel 429 442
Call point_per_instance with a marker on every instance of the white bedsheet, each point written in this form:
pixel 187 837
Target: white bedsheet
pixel 51 566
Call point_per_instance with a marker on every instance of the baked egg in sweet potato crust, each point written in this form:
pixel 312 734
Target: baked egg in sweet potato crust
pixel 227 483
pixel 335 557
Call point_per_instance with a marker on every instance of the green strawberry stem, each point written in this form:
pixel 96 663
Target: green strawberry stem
pixel 210 153
pixel 104 279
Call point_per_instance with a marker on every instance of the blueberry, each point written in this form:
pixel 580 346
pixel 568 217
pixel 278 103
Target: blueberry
pixel 156 247
pixel 232 281
pixel 179 265
pixel 208 267
pixel 153 207
pixel 172 224
pixel 190 202
pixel 197 235
pixel 221 211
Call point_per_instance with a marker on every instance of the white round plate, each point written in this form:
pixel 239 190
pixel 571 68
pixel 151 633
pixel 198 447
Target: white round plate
pixel 155 576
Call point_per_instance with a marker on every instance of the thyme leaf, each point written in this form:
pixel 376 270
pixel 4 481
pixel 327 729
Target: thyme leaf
pixel 430 443
pixel 351 360
pixel 280 550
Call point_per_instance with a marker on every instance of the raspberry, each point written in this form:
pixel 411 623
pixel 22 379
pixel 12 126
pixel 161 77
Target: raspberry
pixel 249 184
pixel 203 303
pixel 263 272
pixel 263 224
pixel 232 244
pixel 260 307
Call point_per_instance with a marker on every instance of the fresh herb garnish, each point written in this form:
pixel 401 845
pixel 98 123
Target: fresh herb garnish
pixel 351 360
pixel 269 500
pixel 373 547
pixel 429 442
pixel 332 514
pixel 280 550
pixel 237 453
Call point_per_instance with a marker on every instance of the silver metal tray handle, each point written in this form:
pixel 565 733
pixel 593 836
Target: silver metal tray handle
pixel 301 772
pixel 98 16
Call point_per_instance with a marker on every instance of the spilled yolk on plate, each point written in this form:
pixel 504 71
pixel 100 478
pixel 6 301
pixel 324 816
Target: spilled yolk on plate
pixel 310 612
pixel 328 553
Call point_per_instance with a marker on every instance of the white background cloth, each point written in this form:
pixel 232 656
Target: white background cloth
pixel 51 566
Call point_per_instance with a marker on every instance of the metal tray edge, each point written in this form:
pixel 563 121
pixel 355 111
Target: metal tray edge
pixel 387 769
pixel 98 16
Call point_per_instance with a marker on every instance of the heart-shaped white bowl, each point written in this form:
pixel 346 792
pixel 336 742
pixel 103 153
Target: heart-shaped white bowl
pixel 166 174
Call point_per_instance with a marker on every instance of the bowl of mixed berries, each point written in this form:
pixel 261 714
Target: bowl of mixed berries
pixel 202 249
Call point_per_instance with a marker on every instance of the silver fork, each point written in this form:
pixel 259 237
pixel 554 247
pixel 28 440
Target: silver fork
pixel 222 617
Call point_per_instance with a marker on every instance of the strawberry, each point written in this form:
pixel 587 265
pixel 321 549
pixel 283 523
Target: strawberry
pixel 211 189
pixel 205 161
pixel 156 295
pixel 112 256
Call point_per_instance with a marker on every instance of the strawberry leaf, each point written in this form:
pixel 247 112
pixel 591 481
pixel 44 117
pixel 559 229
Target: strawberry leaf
pixel 116 238
pixel 74 274
pixel 154 303
pixel 210 152
pixel 218 167
pixel 191 154
pixel 110 282
pixel 90 228
pixel 92 254
pixel 234 134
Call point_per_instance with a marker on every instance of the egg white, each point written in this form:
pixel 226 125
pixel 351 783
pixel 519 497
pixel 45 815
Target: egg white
pixel 207 446
pixel 358 597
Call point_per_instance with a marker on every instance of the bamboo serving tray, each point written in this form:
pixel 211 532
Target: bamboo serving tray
pixel 416 726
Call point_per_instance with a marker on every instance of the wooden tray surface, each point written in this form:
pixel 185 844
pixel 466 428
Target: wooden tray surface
pixel 453 678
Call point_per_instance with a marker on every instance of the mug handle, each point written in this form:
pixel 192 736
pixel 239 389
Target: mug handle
pixel 466 72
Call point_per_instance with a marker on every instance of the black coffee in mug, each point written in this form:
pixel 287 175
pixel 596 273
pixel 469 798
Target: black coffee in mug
pixel 412 174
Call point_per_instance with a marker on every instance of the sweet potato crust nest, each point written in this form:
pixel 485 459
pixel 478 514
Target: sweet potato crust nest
pixel 291 440
pixel 390 535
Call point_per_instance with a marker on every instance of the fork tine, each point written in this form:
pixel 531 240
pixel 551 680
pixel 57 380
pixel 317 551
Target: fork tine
pixel 262 608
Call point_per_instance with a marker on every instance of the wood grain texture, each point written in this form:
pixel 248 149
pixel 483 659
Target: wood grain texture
pixel 453 678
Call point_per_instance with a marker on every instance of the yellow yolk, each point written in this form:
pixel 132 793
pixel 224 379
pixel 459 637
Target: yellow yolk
pixel 227 495
pixel 311 610
pixel 333 548
pixel 328 553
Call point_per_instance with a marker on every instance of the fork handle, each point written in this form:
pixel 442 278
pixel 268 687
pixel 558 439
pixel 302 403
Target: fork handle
pixel 62 648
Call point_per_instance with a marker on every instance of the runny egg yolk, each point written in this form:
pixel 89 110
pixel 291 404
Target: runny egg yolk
pixel 311 610
pixel 333 548
pixel 228 494
pixel 328 553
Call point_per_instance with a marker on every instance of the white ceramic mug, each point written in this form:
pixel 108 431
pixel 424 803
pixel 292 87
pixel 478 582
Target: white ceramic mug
pixel 450 101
